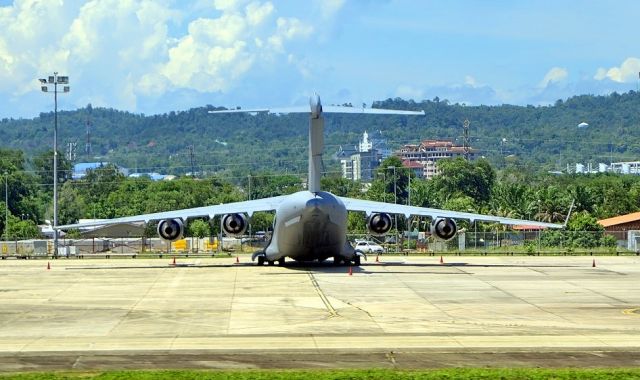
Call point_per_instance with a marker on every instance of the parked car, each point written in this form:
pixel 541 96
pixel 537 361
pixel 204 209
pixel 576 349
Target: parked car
pixel 367 246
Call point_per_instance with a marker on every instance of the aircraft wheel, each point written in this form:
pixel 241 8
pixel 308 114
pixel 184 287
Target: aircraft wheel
pixel 281 261
pixel 337 260
pixel 271 262
pixel 356 260
pixel 260 260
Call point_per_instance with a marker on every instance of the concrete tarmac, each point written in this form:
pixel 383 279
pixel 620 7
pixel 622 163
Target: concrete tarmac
pixel 404 312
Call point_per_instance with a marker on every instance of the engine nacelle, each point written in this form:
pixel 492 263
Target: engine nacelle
pixel 379 223
pixel 234 224
pixel 444 228
pixel 171 229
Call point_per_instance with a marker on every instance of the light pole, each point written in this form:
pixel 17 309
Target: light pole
pixel 409 171
pixel 249 176
pixel 54 80
pixel 395 200
pixel 6 207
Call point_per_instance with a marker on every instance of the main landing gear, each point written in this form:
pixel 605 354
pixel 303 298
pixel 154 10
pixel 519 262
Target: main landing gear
pixel 339 260
pixel 262 260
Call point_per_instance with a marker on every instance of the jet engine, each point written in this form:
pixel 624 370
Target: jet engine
pixel 171 229
pixel 444 228
pixel 234 224
pixel 379 223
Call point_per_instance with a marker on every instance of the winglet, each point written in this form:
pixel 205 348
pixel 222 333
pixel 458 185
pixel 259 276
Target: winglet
pixel 569 214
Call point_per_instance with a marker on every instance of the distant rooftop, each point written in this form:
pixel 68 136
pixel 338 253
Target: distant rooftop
pixel 80 169
pixel 622 219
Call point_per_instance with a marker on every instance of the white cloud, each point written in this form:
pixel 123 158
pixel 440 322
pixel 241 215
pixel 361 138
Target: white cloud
pixel 217 52
pixel 227 5
pixel 329 8
pixel 555 75
pixel 116 51
pixel 409 92
pixel 470 81
pixel 288 29
pixel 257 13
pixel 626 73
pixel 29 32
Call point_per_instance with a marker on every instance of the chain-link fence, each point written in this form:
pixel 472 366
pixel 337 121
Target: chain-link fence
pixel 549 242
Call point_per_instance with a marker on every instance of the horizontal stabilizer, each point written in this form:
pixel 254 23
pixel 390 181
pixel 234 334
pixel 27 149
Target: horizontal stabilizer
pixel 360 110
pixel 327 109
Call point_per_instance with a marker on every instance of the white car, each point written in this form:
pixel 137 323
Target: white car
pixel 366 246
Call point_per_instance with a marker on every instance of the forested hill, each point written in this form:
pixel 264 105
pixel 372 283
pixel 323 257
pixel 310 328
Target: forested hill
pixel 544 138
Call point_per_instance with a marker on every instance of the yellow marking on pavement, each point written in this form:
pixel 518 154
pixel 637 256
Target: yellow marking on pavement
pixel 325 300
pixel 634 311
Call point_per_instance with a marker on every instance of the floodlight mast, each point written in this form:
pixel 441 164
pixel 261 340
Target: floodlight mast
pixel 54 81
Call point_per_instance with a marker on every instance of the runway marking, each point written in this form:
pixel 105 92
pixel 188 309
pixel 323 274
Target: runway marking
pixel 127 315
pixel 597 292
pixel 512 295
pixel 635 311
pixel 323 297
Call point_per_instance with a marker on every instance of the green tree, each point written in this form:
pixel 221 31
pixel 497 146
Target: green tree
pixel 11 160
pixel 43 165
pixel 100 182
pixel 262 221
pixel 264 185
pixel 395 180
pixel 356 222
pixel 457 177
pixel 71 205
pixel 198 228
pixel 552 204
pixel 341 186
pixel 22 229
pixel 584 231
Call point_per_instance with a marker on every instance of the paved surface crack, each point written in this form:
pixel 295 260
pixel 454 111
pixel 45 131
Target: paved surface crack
pixel 323 297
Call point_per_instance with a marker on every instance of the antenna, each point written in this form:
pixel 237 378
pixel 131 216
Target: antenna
pixel 465 138
pixel 71 151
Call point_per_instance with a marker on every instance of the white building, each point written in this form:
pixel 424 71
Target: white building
pixel 429 152
pixel 359 163
pixel 628 167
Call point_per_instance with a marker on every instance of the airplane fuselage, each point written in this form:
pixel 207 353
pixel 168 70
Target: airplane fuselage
pixel 310 226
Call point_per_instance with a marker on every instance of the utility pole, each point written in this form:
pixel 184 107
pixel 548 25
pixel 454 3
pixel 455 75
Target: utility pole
pixel 54 80
pixel 465 139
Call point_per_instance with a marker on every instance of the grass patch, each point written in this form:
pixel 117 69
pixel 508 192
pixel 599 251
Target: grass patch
pixel 463 374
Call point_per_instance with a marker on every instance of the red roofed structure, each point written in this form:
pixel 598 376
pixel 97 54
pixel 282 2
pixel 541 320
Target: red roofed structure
pixel 621 224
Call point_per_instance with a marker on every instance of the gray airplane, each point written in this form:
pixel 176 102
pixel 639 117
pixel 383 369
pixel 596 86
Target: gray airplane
pixel 310 225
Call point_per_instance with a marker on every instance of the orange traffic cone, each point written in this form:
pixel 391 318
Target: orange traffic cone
pixel 377 261
pixel 441 261
pixel 594 263
pixel 48 265
pixel 237 260
pixel 350 270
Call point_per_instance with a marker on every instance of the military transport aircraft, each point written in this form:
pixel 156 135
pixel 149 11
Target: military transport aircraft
pixel 312 224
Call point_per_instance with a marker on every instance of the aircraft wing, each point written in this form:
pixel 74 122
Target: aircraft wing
pixel 372 207
pixel 249 207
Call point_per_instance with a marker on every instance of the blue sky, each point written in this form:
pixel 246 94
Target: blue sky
pixel 163 55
